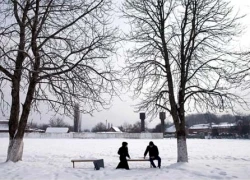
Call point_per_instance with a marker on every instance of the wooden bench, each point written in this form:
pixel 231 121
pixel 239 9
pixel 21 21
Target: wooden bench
pixel 97 162
pixel 139 160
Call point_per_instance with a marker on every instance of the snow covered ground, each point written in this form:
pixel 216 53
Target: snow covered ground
pixel 50 159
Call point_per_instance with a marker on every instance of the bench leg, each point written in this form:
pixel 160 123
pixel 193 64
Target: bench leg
pixel 101 163
pixel 73 165
pixel 96 165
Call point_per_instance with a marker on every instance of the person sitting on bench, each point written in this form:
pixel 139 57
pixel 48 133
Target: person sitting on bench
pixel 153 154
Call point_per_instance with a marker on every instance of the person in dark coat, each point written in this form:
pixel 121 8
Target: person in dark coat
pixel 123 152
pixel 153 154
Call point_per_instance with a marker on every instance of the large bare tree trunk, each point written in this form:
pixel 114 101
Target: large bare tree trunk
pixel 182 155
pixel 15 150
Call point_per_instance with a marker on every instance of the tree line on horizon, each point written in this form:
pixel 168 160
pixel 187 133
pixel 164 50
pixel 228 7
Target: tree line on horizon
pixel 193 119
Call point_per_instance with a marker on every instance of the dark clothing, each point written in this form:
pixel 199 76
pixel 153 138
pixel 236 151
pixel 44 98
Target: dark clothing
pixel 153 155
pixel 123 152
pixel 153 151
pixel 155 158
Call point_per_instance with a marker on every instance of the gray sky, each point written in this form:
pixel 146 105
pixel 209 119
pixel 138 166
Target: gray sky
pixel 122 110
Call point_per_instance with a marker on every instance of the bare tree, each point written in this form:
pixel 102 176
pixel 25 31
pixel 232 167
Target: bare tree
pixel 158 127
pixel 136 127
pixel 86 130
pixel 125 127
pixel 100 127
pixel 181 59
pixel 54 51
pixel 57 122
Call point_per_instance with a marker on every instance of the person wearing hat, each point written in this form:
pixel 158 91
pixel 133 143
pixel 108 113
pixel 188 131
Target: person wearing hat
pixel 153 154
pixel 123 152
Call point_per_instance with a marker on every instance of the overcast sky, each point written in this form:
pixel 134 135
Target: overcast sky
pixel 122 110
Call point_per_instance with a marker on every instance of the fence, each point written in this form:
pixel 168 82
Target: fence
pixel 91 135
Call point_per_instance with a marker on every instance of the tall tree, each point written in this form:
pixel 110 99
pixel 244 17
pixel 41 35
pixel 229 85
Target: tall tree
pixel 57 122
pixel 54 51
pixel 181 58
pixel 99 127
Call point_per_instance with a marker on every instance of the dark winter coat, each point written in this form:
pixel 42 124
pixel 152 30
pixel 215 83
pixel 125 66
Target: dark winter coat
pixel 153 151
pixel 123 152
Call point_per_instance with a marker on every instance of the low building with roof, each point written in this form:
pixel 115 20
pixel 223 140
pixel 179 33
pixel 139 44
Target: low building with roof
pixel 224 128
pixel 4 126
pixel 114 129
pixel 57 130
pixel 200 129
pixel 213 129
pixel 170 130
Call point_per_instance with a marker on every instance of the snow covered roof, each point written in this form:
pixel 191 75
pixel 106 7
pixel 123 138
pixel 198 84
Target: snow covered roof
pixel 57 130
pixel 108 132
pixel 206 126
pixel 34 130
pixel 171 129
pixel 200 126
pixel 116 129
pixel 4 127
pixel 224 124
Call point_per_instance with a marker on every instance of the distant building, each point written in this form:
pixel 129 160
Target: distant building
pixel 57 130
pixel 170 130
pixel 213 128
pixel 200 129
pixel 29 130
pixel 4 126
pixel 114 129
pixel 225 129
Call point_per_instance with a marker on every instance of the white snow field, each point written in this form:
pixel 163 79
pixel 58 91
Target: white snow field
pixel 50 159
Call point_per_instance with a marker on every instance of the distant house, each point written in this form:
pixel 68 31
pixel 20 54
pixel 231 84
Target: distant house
pixel 225 128
pixel 29 130
pixel 213 128
pixel 170 130
pixel 200 129
pixel 114 129
pixel 4 126
pixel 57 130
